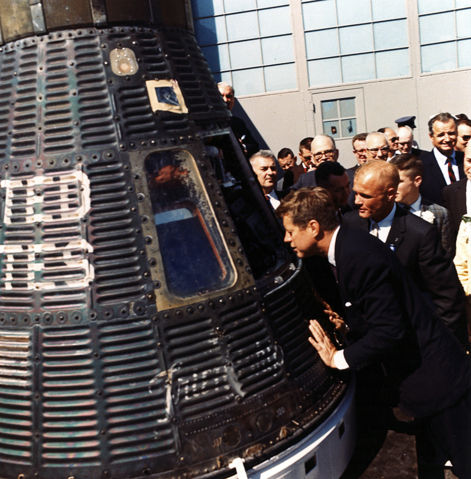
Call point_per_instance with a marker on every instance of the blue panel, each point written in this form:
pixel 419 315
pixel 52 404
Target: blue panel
pixel 347 107
pixel 463 3
pixel 356 39
pixel 275 21
pixel 277 50
pixel 210 31
pixel 318 15
pixel 353 12
pixel 217 57
pixel 463 23
pixel 245 54
pixel 239 5
pixel 437 28
pixel 280 77
pixel 358 68
pixel 271 3
pixel 464 53
pixel 324 43
pixel 324 72
pixel 438 57
pixel 392 64
pixel 331 128
pixel 248 82
pixel 348 128
pixel 387 9
pixel 329 109
pixel 242 26
pixel 207 8
pixel 390 35
pixel 432 6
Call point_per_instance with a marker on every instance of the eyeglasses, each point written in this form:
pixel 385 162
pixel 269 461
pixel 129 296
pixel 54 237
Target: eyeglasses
pixel 320 154
pixel 360 151
pixel 466 137
pixel 394 139
pixel 405 143
pixel 384 149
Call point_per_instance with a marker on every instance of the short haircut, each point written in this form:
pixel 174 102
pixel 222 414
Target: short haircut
pixel 327 168
pixel 462 119
pixel 443 117
pixel 307 204
pixel 306 143
pixel 223 84
pixel 383 171
pixel 262 154
pixel 410 164
pixel 284 152
pixel 359 137
pixel 382 130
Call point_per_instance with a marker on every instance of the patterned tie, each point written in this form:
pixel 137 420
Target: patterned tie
pixel 451 173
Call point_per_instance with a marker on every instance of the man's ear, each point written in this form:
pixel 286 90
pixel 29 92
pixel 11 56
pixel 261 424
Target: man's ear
pixel 391 193
pixel 417 181
pixel 314 227
pixel 336 154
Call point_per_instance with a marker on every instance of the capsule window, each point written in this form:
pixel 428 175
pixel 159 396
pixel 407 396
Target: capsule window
pixel 193 253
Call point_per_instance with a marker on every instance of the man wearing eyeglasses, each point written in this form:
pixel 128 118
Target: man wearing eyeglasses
pixel 392 139
pixel 377 146
pixel 322 149
pixel 464 133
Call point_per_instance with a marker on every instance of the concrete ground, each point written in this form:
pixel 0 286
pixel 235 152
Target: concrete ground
pixel 386 454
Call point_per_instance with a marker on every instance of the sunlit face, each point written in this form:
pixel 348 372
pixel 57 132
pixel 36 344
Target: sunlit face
pixel 392 139
pixel 265 171
pixel 227 94
pixel 323 149
pixel 360 152
pixel 287 162
pixel 302 240
pixel 406 138
pixel 464 135
pixel 467 161
pixel 443 136
pixel 373 198
pixel 378 147
pixel 339 188
pixel 408 188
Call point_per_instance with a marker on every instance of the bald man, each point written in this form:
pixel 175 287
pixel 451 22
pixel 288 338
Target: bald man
pixel 415 242
pixel 377 146
pixel 392 138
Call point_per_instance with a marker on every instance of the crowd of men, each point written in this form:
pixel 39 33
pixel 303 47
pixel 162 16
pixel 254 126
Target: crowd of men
pixel 395 232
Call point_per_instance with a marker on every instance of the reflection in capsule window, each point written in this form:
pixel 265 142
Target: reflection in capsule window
pixel 193 253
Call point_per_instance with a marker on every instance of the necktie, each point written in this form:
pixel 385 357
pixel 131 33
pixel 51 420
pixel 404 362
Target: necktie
pixel 451 173
pixel 374 228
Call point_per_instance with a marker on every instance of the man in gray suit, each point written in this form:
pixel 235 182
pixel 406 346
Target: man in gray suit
pixel 408 194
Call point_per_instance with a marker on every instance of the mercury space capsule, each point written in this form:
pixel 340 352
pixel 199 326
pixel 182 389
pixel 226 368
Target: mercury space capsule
pixel 152 323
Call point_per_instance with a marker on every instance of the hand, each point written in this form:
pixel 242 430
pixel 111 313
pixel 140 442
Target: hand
pixel 322 343
pixel 336 320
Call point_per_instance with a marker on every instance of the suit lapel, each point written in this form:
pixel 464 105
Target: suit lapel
pixel 398 228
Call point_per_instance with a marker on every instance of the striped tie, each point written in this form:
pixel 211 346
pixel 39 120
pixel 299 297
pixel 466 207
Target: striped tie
pixel 451 173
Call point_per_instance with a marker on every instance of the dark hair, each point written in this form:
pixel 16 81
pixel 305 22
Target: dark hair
pixel 381 130
pixel 308 204
pixel 411 164
pixel 306 143
pixel 284 152
pixel 442 117
pixel 462 119
pixel 327 168
pixel 359 137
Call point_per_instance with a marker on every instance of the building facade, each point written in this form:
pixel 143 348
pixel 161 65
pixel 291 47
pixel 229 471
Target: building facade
pixel 303 67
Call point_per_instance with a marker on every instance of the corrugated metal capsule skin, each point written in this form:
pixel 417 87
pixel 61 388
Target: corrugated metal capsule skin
pixel 152 324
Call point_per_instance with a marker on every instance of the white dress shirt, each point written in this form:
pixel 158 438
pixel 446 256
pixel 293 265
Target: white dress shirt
pixel 442 163
pixel 384 226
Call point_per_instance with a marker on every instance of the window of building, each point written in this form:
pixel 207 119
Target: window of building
pixel 247 43
pixel 339 118
pixel 349 41
pixel 445 34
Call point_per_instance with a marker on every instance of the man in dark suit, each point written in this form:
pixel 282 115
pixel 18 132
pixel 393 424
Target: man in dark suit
pixel 333 177
pixel 388 321
pixel 264 166
pixel 443 165
pixel 456 197
pixel 415 241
